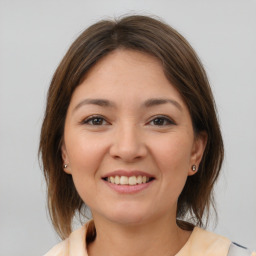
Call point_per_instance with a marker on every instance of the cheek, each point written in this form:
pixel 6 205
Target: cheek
pixel 85 155
pixel 174 152
pixel 173 159
pixel 84 152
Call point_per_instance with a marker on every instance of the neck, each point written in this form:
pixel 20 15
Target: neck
pixel 160 237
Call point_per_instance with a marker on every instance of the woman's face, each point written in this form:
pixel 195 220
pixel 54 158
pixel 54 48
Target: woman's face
pixel 127 124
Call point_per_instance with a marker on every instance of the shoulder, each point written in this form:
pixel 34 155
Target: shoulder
pixel 74 244
pixel 204 243
pixel 238 250
pixel 58 250
pixel 218 244
pixel 210 239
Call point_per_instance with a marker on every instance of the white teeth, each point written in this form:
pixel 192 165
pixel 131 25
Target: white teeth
pixel 117 180
pixel 132 180
pixel 139 179
pixel 124 180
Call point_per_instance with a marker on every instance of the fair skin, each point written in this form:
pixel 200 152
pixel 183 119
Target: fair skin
pixel 126 119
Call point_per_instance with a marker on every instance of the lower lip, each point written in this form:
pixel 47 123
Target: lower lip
pixel 128 189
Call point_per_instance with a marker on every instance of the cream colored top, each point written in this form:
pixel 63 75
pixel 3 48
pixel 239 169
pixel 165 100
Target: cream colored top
pixel 200 243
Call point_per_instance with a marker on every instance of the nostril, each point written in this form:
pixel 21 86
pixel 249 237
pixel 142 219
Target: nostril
pixel 128 147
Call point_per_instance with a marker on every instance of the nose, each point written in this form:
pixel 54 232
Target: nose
pixel 128 144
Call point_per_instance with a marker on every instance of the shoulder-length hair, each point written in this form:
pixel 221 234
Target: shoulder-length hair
pixel 182 68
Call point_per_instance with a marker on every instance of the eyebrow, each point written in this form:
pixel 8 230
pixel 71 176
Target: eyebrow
pixel 98 102
pixel 161 101
pixel 148 103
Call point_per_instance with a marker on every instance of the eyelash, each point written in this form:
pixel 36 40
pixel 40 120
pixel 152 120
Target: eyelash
pixel 92 118
pixel 166 120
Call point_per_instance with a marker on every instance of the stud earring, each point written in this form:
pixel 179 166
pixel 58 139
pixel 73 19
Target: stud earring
pixel 193 167
pixel 65 166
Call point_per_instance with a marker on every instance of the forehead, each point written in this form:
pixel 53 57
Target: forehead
pixel 124 62
pixel 130 71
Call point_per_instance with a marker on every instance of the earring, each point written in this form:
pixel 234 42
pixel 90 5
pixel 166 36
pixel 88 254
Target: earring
pixel 193 167
pixel 65 166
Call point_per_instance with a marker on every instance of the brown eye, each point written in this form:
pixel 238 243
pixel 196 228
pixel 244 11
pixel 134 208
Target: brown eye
pixel 95 120
pixel 161 121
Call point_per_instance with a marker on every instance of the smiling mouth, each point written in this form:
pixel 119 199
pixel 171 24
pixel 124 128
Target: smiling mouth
pixel 125 180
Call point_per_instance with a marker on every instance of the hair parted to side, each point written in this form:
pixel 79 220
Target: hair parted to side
pixel 182 68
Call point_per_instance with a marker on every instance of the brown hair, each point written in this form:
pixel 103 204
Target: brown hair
pixel 183 69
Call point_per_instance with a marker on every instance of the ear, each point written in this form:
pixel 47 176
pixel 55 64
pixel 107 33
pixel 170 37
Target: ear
pixel 65 159
pixel 198 148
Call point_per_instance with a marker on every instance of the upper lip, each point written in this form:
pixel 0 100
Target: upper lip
pixel 128 173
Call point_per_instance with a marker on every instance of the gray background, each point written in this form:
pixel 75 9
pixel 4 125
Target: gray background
pixel 34 35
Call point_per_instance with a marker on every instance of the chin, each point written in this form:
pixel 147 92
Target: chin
pixel 129 215
pixel 126 219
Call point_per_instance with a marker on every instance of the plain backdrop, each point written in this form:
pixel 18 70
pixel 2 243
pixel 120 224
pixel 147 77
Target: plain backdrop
pixel 34 36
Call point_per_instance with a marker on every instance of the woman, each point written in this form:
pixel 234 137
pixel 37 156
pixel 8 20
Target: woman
pixel 130 131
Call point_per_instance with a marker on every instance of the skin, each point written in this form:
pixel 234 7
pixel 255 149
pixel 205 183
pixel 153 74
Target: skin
pixel 129 136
